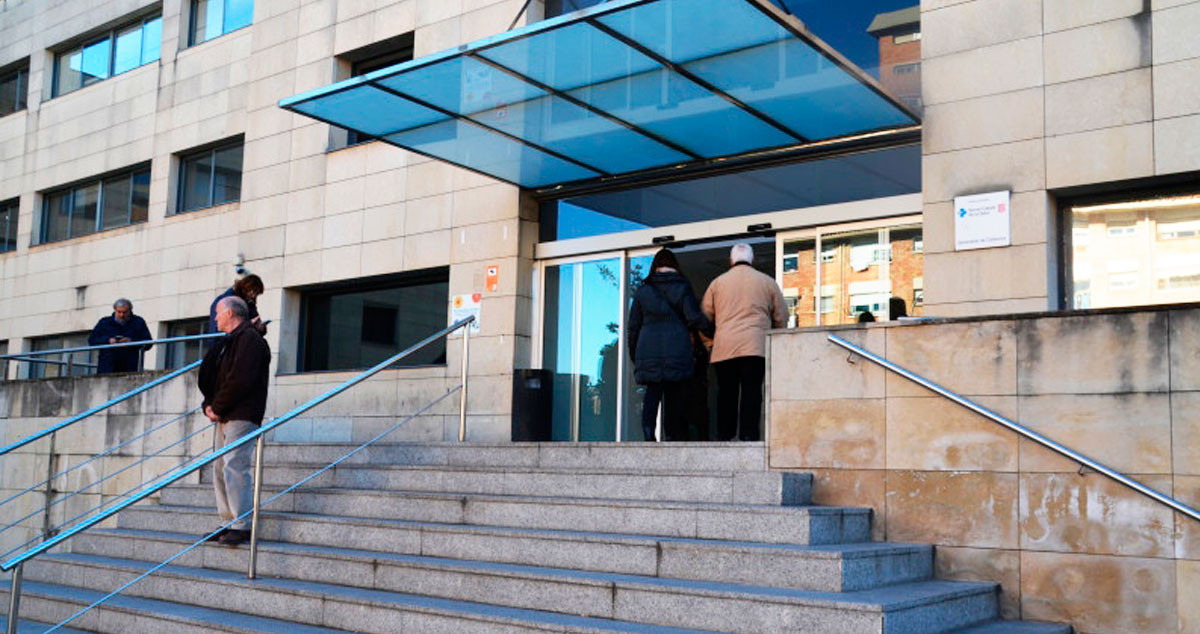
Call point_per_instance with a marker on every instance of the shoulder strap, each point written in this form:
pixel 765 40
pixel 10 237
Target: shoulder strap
pixel 678 311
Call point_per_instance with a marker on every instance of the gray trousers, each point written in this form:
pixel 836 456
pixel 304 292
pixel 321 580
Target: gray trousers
pixel 231 474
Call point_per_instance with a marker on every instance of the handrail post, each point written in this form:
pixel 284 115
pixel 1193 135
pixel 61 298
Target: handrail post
pixel 47 530
pixel 462 395
pixel 258 468
pixel 14 600
pixel 70 363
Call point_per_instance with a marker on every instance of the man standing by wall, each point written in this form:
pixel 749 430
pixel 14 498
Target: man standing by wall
pixel 234 378
pixel 744 304
pixel 120 327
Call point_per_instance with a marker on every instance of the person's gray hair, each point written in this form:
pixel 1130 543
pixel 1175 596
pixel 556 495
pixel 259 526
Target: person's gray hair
pixel 741 252
pixel 236 305
pixel 123 302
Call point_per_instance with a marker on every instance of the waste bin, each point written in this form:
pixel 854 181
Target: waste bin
pixel 531 415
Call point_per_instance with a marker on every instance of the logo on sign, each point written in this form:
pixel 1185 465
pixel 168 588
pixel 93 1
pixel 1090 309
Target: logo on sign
pixel 1001 208
pixel 962 213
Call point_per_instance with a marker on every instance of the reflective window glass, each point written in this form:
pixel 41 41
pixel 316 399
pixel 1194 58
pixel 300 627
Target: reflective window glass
pixel 238 14
pixel 348 328
pixel 862 176
pixel 96 61
pixel 69 77
pixel 85 210
pixel 210 177
pixel 115 200
pixel 8 227
pixel 140 201
pixel 129 49
pixel 214 18
pixel 98 205
pixel 152 40
pixel 1135 252
pixel 120 50
pixel 56 217
pixel 227 175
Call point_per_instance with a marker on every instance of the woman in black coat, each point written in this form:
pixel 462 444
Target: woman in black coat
pixel 661 322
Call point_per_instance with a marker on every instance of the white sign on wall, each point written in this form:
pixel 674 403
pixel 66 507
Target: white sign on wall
pixel 463 306
pixel 982 221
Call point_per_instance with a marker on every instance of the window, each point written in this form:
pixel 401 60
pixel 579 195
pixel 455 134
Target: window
pixel 8 225
pixel 1105 268
pixel 371 58
pixel 75 364
pixel 110 53
pixel 210 177
pixel 97 205
pixel 905 69
pixel 905 38
pixel 14 84
pixel 181 353
pixel 214 18
pixel 355 325
pixel 3 362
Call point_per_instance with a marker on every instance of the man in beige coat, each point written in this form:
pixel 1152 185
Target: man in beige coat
pixel 744 304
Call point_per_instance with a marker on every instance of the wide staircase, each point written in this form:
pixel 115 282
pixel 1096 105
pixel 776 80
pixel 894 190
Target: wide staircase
pixel 595 537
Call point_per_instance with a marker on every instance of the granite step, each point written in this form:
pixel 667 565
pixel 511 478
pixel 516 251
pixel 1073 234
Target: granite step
pixel 1016 627
pixel 785 565
pixel 343 610
pixel 125 614
pixel 670 457
pixel 823 568
pixel 761 523
pixel 758 487
pixel 25 626
pixel 927 607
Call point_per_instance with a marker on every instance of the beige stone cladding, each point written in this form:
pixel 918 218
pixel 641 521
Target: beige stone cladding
pixel 1070 545
pixel 1033 96
pixel 308 213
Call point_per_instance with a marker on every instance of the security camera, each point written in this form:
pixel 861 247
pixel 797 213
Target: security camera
pixel 239 269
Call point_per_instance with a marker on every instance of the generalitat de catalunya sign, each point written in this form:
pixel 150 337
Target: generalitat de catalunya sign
pixel 982 221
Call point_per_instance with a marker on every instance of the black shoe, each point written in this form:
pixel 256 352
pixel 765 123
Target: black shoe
pixel 234 537
pixel 212 537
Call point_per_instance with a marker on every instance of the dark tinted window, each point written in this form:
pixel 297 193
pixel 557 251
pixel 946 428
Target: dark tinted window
pixel 181 353
pixel 354 326
pixel 14 84
pixel 9 210
pixel 96 205
pixel 841 179
pixel 210 177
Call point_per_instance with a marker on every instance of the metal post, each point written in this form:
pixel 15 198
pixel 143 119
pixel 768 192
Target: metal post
pixel 70 363
pixel 47 529
pixel 462 394
pixel 14 600
pixel 258 467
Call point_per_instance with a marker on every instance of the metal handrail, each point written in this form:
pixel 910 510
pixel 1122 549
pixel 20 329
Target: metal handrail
pixel 127 344
pixel 102 454
pixel 1020 429
pixel 182 471
pixel 99 408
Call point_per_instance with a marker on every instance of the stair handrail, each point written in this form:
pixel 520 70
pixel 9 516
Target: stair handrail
pixel 159 483
pixel 29 356
pixel 19 356
pixel 1026 432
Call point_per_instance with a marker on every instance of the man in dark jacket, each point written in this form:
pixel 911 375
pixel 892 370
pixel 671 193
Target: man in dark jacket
pixel 233 379
pixel 120 327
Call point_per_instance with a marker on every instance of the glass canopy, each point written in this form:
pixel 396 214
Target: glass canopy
pixel 615 89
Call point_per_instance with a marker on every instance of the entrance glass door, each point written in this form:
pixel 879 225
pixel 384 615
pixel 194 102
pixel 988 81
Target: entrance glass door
pixel 582 323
